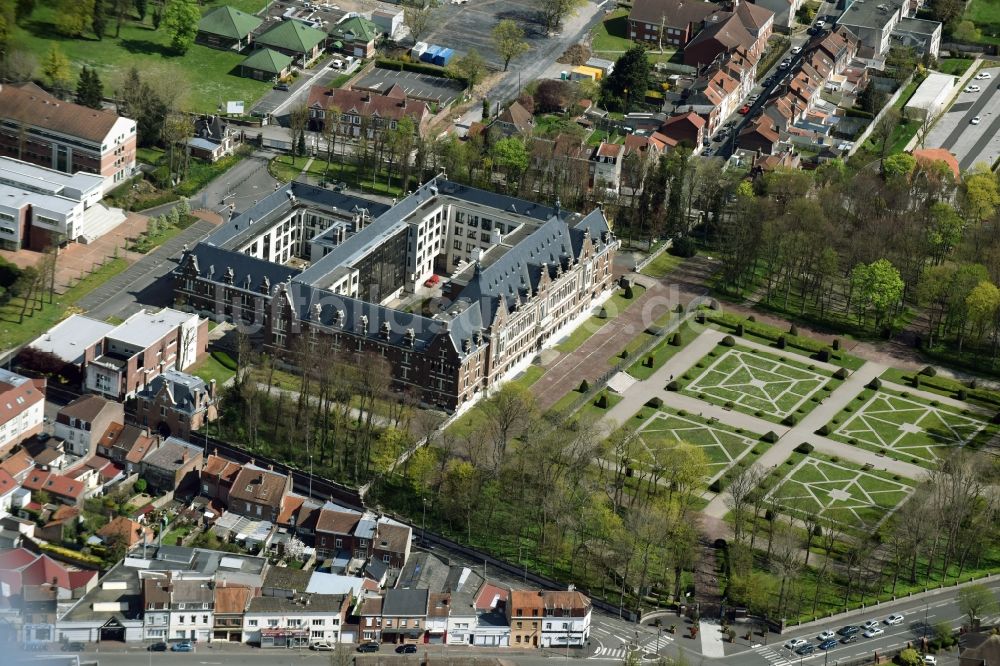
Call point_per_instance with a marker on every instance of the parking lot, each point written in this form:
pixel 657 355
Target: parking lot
pixel 955 131
pixel 470 26
pixel 418 86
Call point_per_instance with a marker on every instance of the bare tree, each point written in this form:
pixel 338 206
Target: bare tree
pixel 739 496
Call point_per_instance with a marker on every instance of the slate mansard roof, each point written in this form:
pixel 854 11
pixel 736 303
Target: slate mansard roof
pixel 512 277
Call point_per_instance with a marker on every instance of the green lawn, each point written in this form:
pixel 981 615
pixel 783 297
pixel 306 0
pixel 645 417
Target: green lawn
pixel 203 77
pixel 986 15
pixel 907 427
pixel 660 354
pixel 590 408
pixel 581 333
pixel 611 35
pixel 285 168
pixel 954 66
pixel 754 382
pixel 40 320
pixel 530 375
pixel 633 345
pixel 662 266
pixel 210 368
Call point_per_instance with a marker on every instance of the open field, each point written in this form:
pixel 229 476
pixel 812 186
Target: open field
pixel 202 77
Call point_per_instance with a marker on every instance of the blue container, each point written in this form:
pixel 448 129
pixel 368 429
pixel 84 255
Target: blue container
pixel 430 53
pixel 444 56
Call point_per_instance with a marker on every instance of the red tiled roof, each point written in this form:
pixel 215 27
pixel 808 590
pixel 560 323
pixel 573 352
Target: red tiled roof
pixel 365 103
pixel 35 107
pixel 938 155
pixel 7 483
pixel 332 521
pixel 17 464
pixel 16 558
pixel 131 531
pixel 55 484
pixel 223 469
pixel 490 596
pixel 28 394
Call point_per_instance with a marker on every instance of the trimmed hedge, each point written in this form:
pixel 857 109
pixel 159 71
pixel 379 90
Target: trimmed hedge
pixel 875 384
pixel 676 340
pixel 672 385
pixel 770 437
pixel 929 371
pixel 823 430
pixel 225 360
pixel 790 420
pixel 727 341
pixel 840 374
pixel 584 386
pixel 804 447
pixel 655 402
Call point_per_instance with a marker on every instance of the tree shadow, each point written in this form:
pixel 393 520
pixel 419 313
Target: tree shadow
pixel 529 20
pixel 146 47
pixel 47 30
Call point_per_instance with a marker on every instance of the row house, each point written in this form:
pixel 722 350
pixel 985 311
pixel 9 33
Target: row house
pixel 22 408
pixel 172 466
pixel 297 621
pixel 686 129
pixel 404 616
pixel 524 613
pixel 746 28
pixel 353 538
pixel 606 166
pixel 218 476
pixel 257 493
pixel 178 608
pixel 299 515
pixel 231 602
pixel 668 23
pixel 565 618
pixel 714 96
pixel 784 12
pixel 760 135
pixel 126 446
pixel 83 423
pixel 60 488
pixel 370 619
pixel 365 110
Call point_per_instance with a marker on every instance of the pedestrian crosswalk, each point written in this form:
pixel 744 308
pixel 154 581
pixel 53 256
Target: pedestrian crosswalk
pixel 649 647
pixel 772 655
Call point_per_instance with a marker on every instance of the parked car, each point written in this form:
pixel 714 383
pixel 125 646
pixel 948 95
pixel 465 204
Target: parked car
pixel 744 110
pixel 796 50
pixel 805 649
pixel 321 646
pixel 795 643
pixel 849 639
pixel 825 635
pixel 976 120
pixel 894 619
pixel 870 624
pixel 368 647
pixel 827 644
pixel 281 86
pixel 158 647
pixel 73 646
pixel 980 76
pixel 930 660
pixel 185 646
pixel 820 24
pixel 872 633
pixel 972 88
pixel 849 630
pixel 785 64
pixel 407 649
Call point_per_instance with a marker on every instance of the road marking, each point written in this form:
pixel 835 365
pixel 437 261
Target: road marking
pixel 609 653
pixel 771 655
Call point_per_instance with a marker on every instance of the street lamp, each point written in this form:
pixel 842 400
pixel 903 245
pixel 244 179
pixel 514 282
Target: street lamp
pixel 423 527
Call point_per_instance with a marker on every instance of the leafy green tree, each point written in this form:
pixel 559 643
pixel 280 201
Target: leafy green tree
pixel 472 67
pixel 966 31
pixel 25 8
pixel 898 166
pixel 180 19
pixel 977 601
pixel 944 231
pixel 99 20
pixel 947 11
pixel 910 657
pixel 627 83
pixel 419 20
pixel 55 68
pixel 511 156
pixel 73 17
pixel 89 90
pixel 878 287
pixel 980 196
pixel 508 40
pixel 872 99
pixel 982 304
pixel 553 12
pixel 140 485
pixel 141 7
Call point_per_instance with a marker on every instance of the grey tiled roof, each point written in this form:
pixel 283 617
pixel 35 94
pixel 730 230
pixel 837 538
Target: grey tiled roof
pixel 405 603
pixel 248 272
pixel 182 388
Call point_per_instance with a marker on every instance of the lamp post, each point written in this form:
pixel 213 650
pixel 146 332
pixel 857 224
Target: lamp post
pixel 423 525
pixel 927 605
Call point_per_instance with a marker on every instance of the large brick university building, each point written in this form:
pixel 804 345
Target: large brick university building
pixel 325 271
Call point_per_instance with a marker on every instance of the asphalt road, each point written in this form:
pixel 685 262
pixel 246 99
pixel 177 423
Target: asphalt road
pixel 147 282
pixel 954 130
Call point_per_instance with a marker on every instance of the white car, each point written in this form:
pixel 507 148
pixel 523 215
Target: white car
pixel 930 660
pixel 980 76
pixel 873 632
pixel 894 619
pixel 796 50
pixel 826 635
pixel 975 120
pixel 820 24
pixel 870 624
pixel 321 646
pixel 972 89
pixel 795 643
